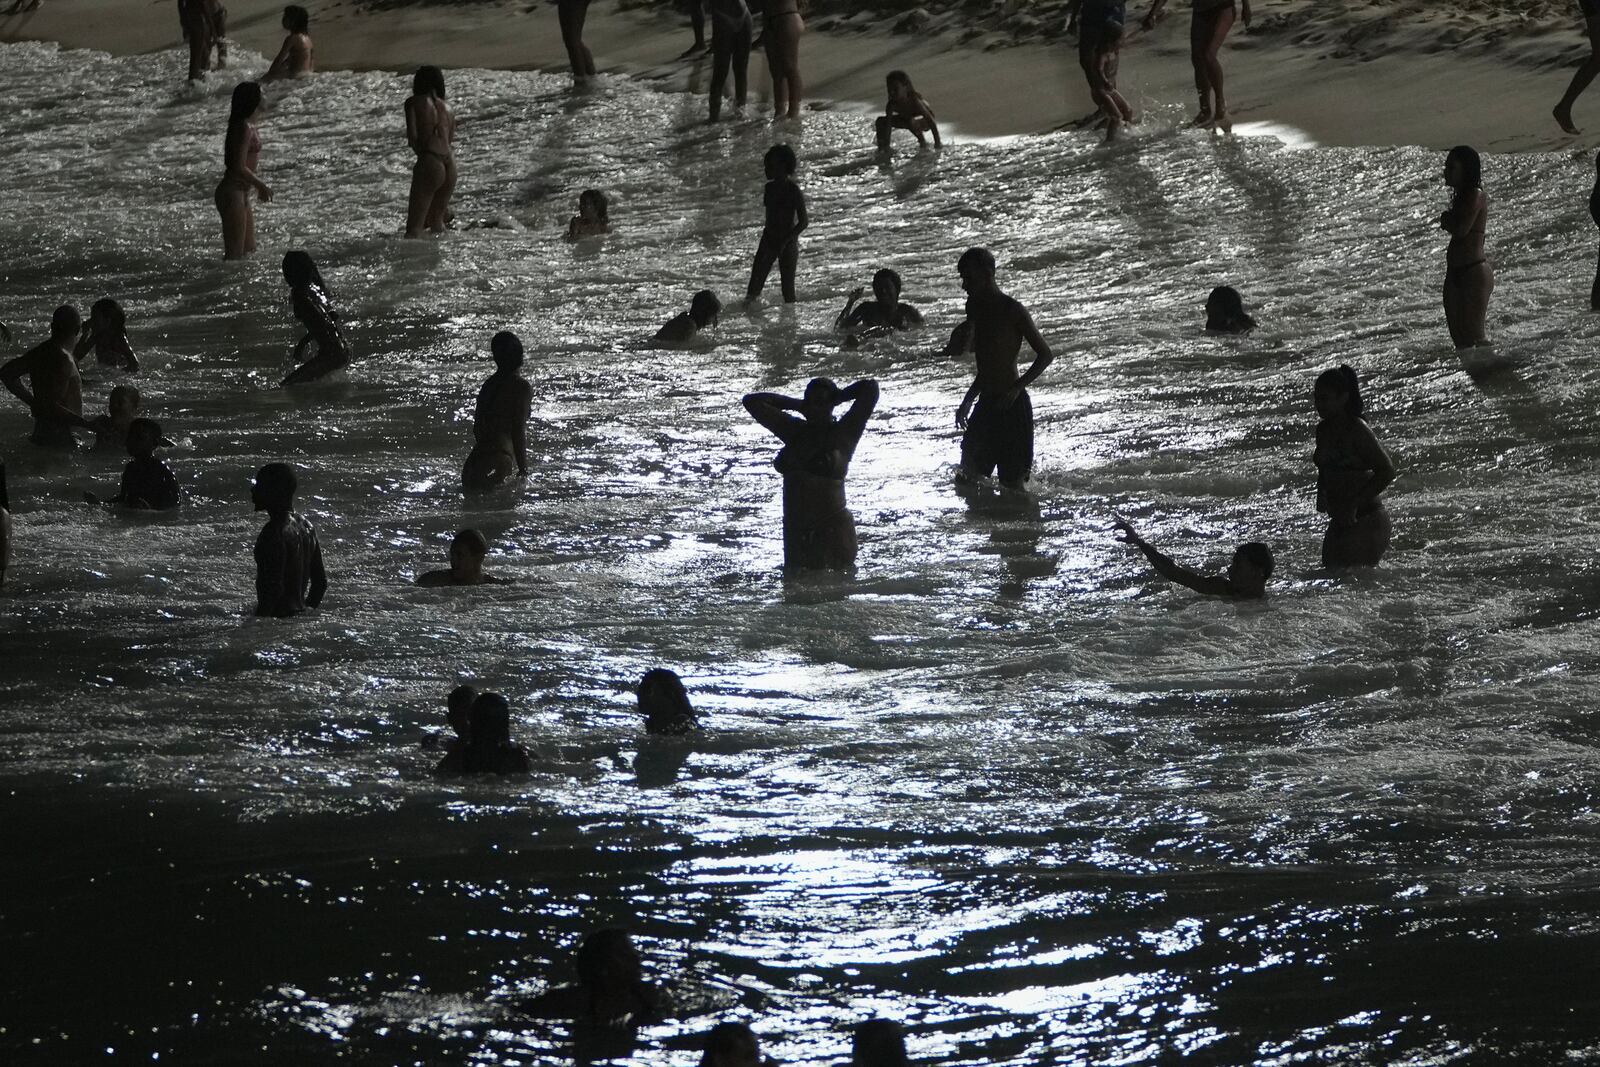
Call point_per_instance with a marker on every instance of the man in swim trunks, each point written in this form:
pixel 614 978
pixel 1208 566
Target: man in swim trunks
pixel 500 419
pixel 999 434
pixel 1590 9
pixel 1099 24
pixel 289 574
pixel 56 397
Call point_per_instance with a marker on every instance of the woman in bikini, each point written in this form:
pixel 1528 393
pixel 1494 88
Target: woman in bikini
pixel 241 150
pixel 571 14
pixel 819 533
pixel 1468 281
pixel 780 33
pixel 430 129
pixel 1208 28
pixel 1352 469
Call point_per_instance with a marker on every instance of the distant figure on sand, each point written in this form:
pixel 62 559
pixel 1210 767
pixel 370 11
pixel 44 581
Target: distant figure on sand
pixel 458 716
pixel 241 153
pixel 732 1045
pixel 1590 9
pixel 1468 281
pixel 7 530
pixel 610 990
pixel 906 110
pixel 786 221
pixel 313 306
pixel 781 29
pixel 1352 470
pixel 731 31
pixel 1246 577
pixel 106 335
pixel 571 15
pixel 467 552
pixel 430 131
pixel 703 312
pixel 1594 213
pixel 819 533
pixel 1099 24
pixel 878 1043
pixel 1208 28
pixel 289 574
pixel 593 218
pixel 500 419
pixel 999 436
pixel 664 703
pixel 1225 312
pixel 294 58
pixel 884 313
pixel 204 27
pixel 489 748
pixel 148 483
pixel 56 393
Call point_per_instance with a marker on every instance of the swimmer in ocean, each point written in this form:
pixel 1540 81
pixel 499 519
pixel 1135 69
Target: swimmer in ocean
pixel 906 110
pixel 611 990
pixel 786 221
pixel 702 315
pixel 467 552
pixel 431 133
pixel 148 484
pixel 489 748
pixel 500 419
pixel 56 394
pixel 1225 312
pixel 731 31
pixel 732 1045
pixel 1099 25
pixel 664 703
pixel 1246 577
pixel 241 154
pixel 313 306
pixel 998 437
pixel 1468 280
pixel 106 335
pixel 1590 10
pixel 781 30
pixel 880 315
pixel 1209 24
pixel 294 58
pixel 570 14
pixel 819 532
pixel 457 714
pixel 289 574
pixel 878 1043
pixel 1352 470
pixel 593 218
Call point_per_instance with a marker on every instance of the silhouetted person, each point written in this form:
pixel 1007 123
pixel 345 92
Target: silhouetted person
pixel 1468 281
pixel 106 335
pixel 489 748
pixel 610 990
pixel 458 717
pixel 241 156
pixel 906 110
pixel 289 573
pixel 148 483
pixel 1352 470
pixel 878 1043
pixel 1590 9
pixel 786 221
pixel 56 393
pixel 696 10
pixel 1594 213
pixel 593 218
pixel 1246 577
pixel 431 133
pixel 1099 25
pixel 732 30
pixel 884 313
pixel 781 30
pixel 500 419
pixel 294 58
pixel 200 20
pixel 467 552
pixel 664 703
pixel 703 313
pixel 313 306
pixel 1225 312
pixel 122 407
pixel 1208 28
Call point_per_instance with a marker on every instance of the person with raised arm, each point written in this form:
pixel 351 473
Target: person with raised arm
pixel 884 313
pixel 289 574
pixel 1352 470
pixel 430 131
pixel 500 419
pixel 55 391
pixel 313 306
pixel 1245 579
pixel 106 335
pixel 732 30
pixel 294 58
pixel 1468 279
pixel 786 220
pixel 241 153
pixel 1209 23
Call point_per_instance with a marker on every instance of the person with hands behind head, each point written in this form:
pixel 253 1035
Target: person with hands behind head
pixel 1246 577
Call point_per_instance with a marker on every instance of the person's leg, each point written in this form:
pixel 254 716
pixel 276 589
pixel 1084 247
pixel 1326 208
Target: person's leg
pixel 426 177
pixel 248 207
pixel 883 126
pixel 1594 293
pixel 1368 540
pixel 760 268
pixel 788 261
pixel 977 444
pixel 1219 22
pixel 772 41
pixel 199 50
pixel 1014 462
pixel 571 14
pixel 1479 285
pixel 721 60
pixel 232 223
pixel 697 22
pixel 741 67
pixel 1581 78
pixel 439 203
pixel 791 62
pixel 1110 60
pixel 220 32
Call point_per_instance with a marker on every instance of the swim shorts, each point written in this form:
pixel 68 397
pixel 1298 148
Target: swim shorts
pixel 1002 440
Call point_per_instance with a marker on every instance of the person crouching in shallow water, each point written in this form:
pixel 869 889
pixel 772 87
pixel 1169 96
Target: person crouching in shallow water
pixel 819 533
pixel 703 313
pixel 732 1045
pixel 458 716
pixel 593 218
pixel 147 482
pixel 430 131
pixel 489 748
pixel 610 990
pixel 882 314
pixel 241 154
pixel 1225 312
pixel 1352 470
pixel 1099 25
pixel 289 574
pixel 1468 281
pixel 294 58
pixel 905 110
pixel 467 552
pixel 878 1043
pixel 664 703
pixel 500 419
pixel 786 221
pixel 106 335
pixel 56 396
pixel 313 306
pixel 1246 577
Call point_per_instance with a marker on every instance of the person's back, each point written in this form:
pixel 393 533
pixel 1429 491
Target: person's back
pixel 500 419
pixel 289 570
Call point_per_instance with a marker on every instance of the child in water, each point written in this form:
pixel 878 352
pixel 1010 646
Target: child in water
pixel 611 990
pixel 702 315
pixel 1225 312
pixel 467 552
pixel 593 217
pixel 1246 578
pixel 147 482
pixel 107 337
pixel 313 306
pixel 786 221
pixel 906 110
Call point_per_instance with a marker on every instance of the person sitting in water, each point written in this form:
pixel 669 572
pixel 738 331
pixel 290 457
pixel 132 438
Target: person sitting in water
pixel 664 703
pixel 878 1043
pixel 732 1045
pixel 593 217
pixel 610 991
pixel 1352 470
pixel 313 306
pixel 122 407
pixel 906 110
pixel 458 716
pixel 467 551
pixel 489 748
pixel 819 533
pixel 703 312
pixel 500 419
pixel 1468 279
pixel 6 529
pixel 107 337
pixel 294 58
pixel 881 315
pixel 56 397
pixel 1225 312
pixel 289 573
pixel 1246 577
pixel 148 483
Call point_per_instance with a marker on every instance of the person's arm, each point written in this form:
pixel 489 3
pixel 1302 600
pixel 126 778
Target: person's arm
pixel 966 405
pixel 847 317
pixel 1164 565
pixel 960 342
pixel 319 577
pixel 280 64
pixel 11 376
pixel 1072 16
pixel 130 362
pixel 1155 13
pixel 84 346
pixel 908 316
pixel 772 411
pixel 168 497
pixel 413 124
pixel 801 219
pixel 863 397
pixel 1043 356
pixel 1460 223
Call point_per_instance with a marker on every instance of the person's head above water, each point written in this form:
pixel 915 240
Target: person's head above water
pixel 1463 169
pixel 144 435
pixel 1250 568
pixel 274 487
pixel 489 721
pixel 878 1043
pixel 780 162
pixel 428 81
pixel 819 399
pixel 65 324
pixel 664 703
pixel 296 19
pixel 1225 311
pixel 886 288
pixel 466 555
pixel 246 101
pixel 458 709
pixel 608 962
pixel 300 270
pixel 506 348
pixel 106 317
pixel 1338 392
pixel 731 1045
pixel 704 308
pixel 976 267
pixel 123 403
pixel 594 205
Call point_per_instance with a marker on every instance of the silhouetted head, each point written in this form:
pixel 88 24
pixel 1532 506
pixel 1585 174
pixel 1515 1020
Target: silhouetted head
pixel 506 348
pixel 608 962
pixel 899 83
pixel 878 1043
pixel 296 19
pixel 704 308
pixel 780 162
pixel 1251 567
pixel 124 403
pixel 428 81
pixel 458 709
pixel 1337 392
pixel 664 703
pixel 1225 311
pixel 65 324
pixel 274 487
pixel 819 399
pixel 143 437
pixel 106 317
pixel 976 267
pixel 886 288
pixel 731 1045
pixel 1463 169
pixel 466 554
pixel 489 721
pixel 246 101
pixel 593 206
pixel 300 270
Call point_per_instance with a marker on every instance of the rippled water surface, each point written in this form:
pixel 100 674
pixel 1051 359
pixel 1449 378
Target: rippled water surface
pixel 1005 785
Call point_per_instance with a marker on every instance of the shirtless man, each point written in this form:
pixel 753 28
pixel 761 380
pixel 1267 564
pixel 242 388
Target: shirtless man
pixel 999 435
pixel 289 574
pixel 500 419
pixel 56 396
pixel 294 59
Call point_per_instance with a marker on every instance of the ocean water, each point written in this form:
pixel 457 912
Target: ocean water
pixel 1005 785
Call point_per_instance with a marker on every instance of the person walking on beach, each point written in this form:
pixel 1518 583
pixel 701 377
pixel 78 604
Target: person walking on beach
pixel 998 437
pixel 819 533
pixel 1099 25
pixel 56 393
pixel 571 15
pixel 430 131
pixel 731 32
pixel 313 306
pixel 781 29
pixel 241 153
pixel 786 221
pixel 1352 469
pixel 1590 10
pixel 1468 281
pixel 289 573
pixel 294 58
pixel 1208 28
pixel 500 419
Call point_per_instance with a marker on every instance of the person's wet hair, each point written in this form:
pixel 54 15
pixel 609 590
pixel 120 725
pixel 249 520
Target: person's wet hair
pixel 428 81
pixel 276 483
pixel 664 702
pixel 898 77
pixel 822 392
pixel 66 320
pixel 506 348
pixel 878 1043
pixel 1343 378
pixel 472 540
pixel 785 159
pixel 1259 556
pixel 123 395
pixel 489 722
pixel 601 204
pixel 705 306
pixel 1466 157
pixel 299 269
pixel 979 260
pixel 1225 311
pixel 246 101
pixel 730 1044
pixel 607 960
pixel 296 19
pixel 892 277
pixel 110 312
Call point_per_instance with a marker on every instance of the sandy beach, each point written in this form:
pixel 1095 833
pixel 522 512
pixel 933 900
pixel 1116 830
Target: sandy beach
pixel 1342 73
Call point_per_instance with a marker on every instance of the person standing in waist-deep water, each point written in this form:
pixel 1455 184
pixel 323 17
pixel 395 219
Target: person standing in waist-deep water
pixel 56 394
pixel 1225 312
pixel 731 31
pixel 1352 470
pixel 593 218
pixel 313 306
pixel 998 437
pixel 289 573
pixel 430 130
pixel 786 221
pixel 781 30
pixel 202 22
pixel 467 552
pixel 571 15
pixel 611 990
pixel 1099 24
pixel 489 748
pixel 500 419
pixel 106 335
pixel 1468 281
pixel 906 110
pixel 241 153
pixel 1208 28
pixel 294 58
pixel 1590 10
pixel 819 533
